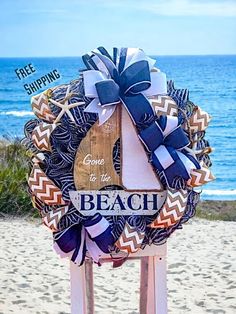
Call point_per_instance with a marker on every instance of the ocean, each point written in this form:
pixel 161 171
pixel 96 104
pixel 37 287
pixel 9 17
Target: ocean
pixel 211 81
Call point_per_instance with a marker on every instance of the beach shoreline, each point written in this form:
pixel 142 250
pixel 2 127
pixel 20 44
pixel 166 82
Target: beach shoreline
pixel 201 272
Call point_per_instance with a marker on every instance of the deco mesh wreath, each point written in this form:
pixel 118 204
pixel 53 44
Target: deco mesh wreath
pixel 120 103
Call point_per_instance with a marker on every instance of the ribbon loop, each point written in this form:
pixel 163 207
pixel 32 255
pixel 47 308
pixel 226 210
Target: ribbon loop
pixel 136 78
pixel 177 138
pixel 109 64
pixel 91 77
pixel 108 92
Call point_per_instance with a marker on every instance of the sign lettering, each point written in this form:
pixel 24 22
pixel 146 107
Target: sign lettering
pixel 117 202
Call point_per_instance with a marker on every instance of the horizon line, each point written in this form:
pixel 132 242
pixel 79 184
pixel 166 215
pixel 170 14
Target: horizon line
pixel 154 55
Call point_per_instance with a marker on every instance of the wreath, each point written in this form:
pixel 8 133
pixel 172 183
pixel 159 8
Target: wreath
pixel 168 125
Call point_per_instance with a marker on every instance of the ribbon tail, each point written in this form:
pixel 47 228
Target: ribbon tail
pixel 100 231
pixel 79 253
pixel 61 253
pixel 93 249
pixel 173 163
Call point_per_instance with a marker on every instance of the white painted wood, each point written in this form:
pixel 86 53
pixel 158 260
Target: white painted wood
pixel 143 285
pixel 151 305
pixel 137 172
pixel 160 281
pixel 89 286
pixel 152 250
pixel 78 289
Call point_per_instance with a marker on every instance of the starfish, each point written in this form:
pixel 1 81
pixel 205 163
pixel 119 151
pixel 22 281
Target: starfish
pixel 65 106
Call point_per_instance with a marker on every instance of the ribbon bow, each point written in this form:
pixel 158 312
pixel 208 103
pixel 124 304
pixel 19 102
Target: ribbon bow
pixel 129 77
pixel 93 235
pixel 166 140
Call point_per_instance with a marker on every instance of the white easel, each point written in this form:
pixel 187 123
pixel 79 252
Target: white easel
pixel 153 284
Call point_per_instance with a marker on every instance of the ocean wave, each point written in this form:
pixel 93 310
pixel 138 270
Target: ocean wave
pixel 22 113
pixel 219 192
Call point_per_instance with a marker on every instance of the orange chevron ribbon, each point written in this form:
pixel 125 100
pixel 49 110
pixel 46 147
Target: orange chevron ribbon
pixel 200 176
pixel 199 120
pixel 43 188
pixel 41 107
pixel 172 210
pixel 52 218
pixel 37 204
pixel 165 105
pixel 41 136
pixel 130 240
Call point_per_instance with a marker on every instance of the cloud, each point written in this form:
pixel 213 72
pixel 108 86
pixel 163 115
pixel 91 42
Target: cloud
pixel 177 7
pixel 43 11
pixel 193 8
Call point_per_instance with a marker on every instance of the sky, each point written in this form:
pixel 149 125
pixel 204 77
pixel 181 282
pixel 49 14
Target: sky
pixel 42 28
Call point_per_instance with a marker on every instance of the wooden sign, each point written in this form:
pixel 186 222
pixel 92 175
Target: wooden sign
pixel 93 166
pixel 94 170
pixel 117 202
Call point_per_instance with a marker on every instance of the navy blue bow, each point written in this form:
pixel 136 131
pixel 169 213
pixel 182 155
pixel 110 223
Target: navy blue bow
pixel 166 140
pixel 121 80
pixel 93 235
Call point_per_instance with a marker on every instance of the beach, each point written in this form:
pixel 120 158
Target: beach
pixel 201 272
pixel 106 134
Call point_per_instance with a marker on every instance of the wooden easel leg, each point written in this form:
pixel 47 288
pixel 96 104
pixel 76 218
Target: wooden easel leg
pixel 89 286
pixel 160 282
pixel 78 289
pixel 151 287
pixel 143 285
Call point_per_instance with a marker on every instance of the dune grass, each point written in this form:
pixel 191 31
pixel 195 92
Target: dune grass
pixel 217 210
pixel 14 167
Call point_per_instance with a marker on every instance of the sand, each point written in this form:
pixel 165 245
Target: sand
pixel 201 272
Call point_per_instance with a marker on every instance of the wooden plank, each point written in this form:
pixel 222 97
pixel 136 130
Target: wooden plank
pixel 151 304
pixel 160 284
pixel 143 285
pixel 153 250
pixel 93 165
pixel 89 286
pixel 78 290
